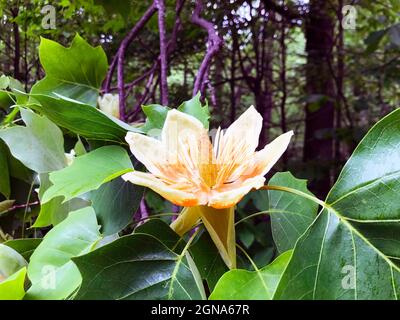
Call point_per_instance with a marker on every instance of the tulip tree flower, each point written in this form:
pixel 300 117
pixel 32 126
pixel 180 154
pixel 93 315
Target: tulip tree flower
pixel 207 179
pixel 109 103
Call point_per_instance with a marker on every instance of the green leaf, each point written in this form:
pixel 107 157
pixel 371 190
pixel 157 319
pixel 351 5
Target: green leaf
pixel 75 72
pixel 155 118
pixel 88 172
pixel 79 147
pixel 6 99
pixel 351 249
pixel 137 266
pixel 4 82
pixel 51 271
pixel 208 260
pixel 373 40
pixel 5 205
pixel 10 262
pixel 55 210
pixel 18 90
pixel 39 145
pixel 293 215
pixel 5 188
pixel 251 285
pixel 156 114
pixel 115 203
pixel 117 6
pixel 24 247
pixel 162 232
pixel 16 168
pixel 82 119
pixel 13 288
pixel 195 109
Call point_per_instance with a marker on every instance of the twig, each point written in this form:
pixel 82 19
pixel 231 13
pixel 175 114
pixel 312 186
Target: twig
pixel 22 206
pixel 214 44
pixel 121 56
pixel 163 53
pixel 111 69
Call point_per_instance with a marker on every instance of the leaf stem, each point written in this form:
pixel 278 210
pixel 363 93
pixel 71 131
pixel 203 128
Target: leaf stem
pixel 248 257
pixel 261 213
pixel 299 193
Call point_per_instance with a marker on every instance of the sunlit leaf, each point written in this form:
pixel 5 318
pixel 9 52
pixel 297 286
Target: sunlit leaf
pixel 75 72
pixel 196 109
pixel 13 287
pixel 51 271
pixel 88 172
pixel 252 285
pixel 39 145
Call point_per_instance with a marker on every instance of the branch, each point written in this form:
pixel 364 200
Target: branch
pixel 121 56
pixel 22 206
pixel 107 82
pixel 163 53
pixel 214 44
pixel 171 45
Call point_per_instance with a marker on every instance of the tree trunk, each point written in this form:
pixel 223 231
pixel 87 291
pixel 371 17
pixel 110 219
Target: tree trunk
pixel 264 104
pixel 339 87
pixel 319 124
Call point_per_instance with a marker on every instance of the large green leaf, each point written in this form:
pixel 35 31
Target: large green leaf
pixel 55 210
pixel 252 285
pixel 115 203
pixel 39 145
pixel 88 172
pixel 137 267
pixel 13 288
pixel 293 214
pixel 75 72
pixel 82 119
pixel 51 271
pixel 351 250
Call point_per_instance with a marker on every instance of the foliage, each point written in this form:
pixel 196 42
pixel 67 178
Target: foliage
pixel 72 228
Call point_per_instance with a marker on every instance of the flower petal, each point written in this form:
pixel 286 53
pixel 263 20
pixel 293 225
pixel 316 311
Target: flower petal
pixel 176 196
pixel 237 145
pixel 186 220
pixel 189 146
pixel 147 150
pixel 177 123
pixel 246 128
pixel 231 194
pixel 181 135
pixel 266 158
pixel 220 225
